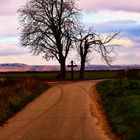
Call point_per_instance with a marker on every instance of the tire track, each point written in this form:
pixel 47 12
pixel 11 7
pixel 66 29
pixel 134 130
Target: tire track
pixel 46 110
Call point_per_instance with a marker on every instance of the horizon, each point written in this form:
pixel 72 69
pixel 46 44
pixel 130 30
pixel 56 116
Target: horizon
pixel 105 17
pixel 67 64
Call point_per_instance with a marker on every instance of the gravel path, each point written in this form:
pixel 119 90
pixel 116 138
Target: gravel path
pixel 61 113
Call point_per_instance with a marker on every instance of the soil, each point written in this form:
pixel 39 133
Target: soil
pixel 97 110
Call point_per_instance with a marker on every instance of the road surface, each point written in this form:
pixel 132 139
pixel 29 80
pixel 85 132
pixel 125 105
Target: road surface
pixel 61 113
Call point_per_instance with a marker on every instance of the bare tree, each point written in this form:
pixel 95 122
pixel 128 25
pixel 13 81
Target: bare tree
pixel 47 27
pixel 88 41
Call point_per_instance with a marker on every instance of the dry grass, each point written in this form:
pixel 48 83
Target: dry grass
pixel 15 94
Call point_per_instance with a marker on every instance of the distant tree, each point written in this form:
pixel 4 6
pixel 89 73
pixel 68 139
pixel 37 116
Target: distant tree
pixel 47 26
pixel 88 41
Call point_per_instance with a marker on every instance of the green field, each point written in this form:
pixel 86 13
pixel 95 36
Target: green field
pixel 56 75
pixel 94 75
pixel 121 99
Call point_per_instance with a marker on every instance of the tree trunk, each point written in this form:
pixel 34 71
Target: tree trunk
pixel 63 69
pixel 82 69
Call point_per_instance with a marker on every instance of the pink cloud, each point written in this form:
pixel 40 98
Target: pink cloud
pixel 11 48
pixel 9 26
pixel 97 5
pixel 8 17
pixel 9 7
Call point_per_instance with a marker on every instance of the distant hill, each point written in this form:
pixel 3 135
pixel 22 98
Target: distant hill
pixel 13 65
pixel 17 67
pixel 113 67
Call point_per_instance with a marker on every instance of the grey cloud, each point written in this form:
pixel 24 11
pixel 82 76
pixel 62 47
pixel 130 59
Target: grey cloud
pixel 12 50
pixel 128 29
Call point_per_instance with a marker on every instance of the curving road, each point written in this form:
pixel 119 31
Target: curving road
pixel 61 113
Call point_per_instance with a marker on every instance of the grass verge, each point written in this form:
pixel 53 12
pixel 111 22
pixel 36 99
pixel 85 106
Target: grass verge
pixel 121 99
pixel 14 95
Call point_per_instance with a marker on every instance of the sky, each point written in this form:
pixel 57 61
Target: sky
pixel 104 16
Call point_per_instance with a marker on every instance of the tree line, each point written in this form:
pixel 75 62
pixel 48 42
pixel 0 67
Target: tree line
pixel 53 28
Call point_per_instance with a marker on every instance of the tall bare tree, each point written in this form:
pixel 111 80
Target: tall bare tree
pixel 88 41
pixel 47 27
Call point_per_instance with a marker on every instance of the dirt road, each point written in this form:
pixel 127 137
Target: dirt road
pixel 61 113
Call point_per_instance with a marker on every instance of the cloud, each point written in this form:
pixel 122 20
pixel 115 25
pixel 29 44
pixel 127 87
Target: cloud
pixel 124 56
pixel 10 7
pixel 105 16
pixel 11 52
pixel 11 48
pixel 8 26
pixel 129 29
pixel 129 38
pixel 128 55
pixel 26 59
pixel 109 15
pixel 9 23
pixel 96 5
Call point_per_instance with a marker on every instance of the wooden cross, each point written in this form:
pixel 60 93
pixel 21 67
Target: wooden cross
pixel 72 65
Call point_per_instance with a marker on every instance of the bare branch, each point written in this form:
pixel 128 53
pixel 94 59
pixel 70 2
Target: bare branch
pixel 48 27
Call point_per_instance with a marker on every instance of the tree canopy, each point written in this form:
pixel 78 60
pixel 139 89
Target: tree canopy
pixel 48 27
pixel 87 41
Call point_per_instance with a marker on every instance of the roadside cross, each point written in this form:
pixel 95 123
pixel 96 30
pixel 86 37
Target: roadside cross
pixel 72 65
